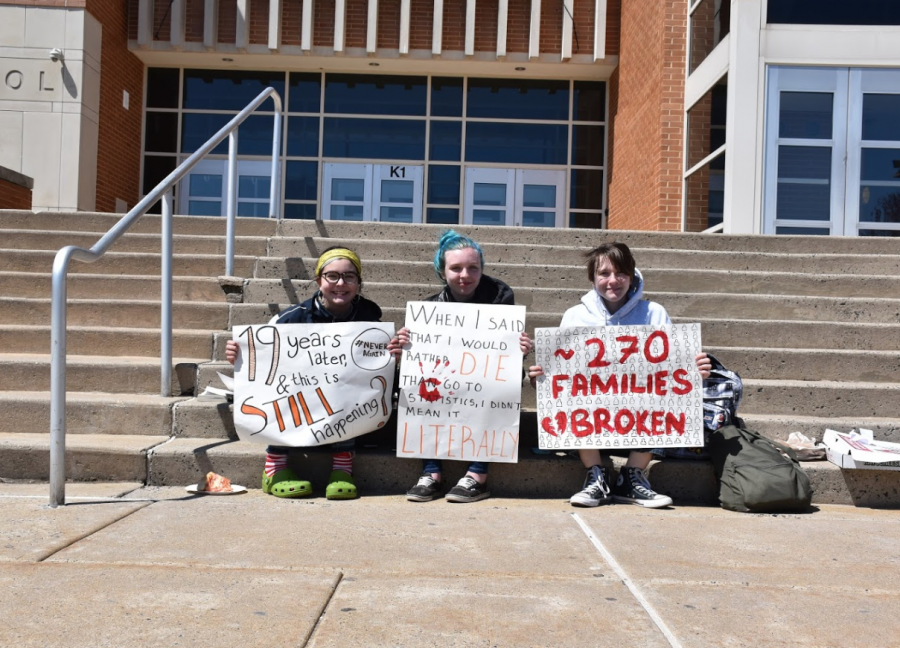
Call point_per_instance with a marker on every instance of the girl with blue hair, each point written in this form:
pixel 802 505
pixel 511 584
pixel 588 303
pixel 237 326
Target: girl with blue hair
pixel 459 263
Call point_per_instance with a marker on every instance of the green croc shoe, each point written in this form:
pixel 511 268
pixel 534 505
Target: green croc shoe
pixel 286 483
pixel 341 486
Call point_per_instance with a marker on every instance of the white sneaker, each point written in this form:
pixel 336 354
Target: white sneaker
pixel 632 487
pixel 595 490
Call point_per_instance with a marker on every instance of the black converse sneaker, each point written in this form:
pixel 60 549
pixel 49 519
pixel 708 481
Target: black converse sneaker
pixel 468 490
pixel 425 490
pixel 632 487
pixel 595 490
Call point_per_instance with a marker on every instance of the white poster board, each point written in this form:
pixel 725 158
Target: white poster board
pixel 461 382
pixel 312 384
pixel 618 387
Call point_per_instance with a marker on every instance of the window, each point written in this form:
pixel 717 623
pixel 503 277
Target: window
pixel 816 119
pixel 834 12
pixel 710 22
pixel 704 190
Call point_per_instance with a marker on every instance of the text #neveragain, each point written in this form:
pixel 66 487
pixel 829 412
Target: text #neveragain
pixel 461 382
pixel 305 385
pixel 618 387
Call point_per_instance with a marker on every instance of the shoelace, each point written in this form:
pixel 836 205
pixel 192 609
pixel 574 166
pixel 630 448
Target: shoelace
pixel 468 483
pixel 597 485
pixel 426 481
pixel 641 484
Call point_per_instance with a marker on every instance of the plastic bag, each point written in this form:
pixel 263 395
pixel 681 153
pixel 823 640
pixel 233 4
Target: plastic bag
pixel 807 449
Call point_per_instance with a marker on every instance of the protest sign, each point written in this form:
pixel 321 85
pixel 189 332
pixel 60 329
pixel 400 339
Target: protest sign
pixel 461 382
pixel 312 384
pixel 618 387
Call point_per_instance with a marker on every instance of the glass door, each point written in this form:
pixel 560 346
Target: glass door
pixel 203 191
pixel 520 197
pixel 389 193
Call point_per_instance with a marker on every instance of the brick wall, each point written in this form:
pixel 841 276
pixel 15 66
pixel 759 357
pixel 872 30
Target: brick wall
pixel 118 151
pixel 15 190
pixel 647 113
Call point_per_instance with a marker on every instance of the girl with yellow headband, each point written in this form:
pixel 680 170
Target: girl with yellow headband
pixel 339 277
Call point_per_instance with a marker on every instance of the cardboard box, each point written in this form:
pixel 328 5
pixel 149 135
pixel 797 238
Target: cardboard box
pixel 857 451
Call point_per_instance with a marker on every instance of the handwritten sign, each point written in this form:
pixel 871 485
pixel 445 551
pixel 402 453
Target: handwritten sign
pixel 461 382
pixel 312 384
pixel 616 387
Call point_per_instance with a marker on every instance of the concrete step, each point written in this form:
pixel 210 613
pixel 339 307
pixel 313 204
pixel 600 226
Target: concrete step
pixel 94 340
pixel 779 427
pixel 28 239
pixel 99 222
pixel 113 374
pixel 185 461
pixel 109 286
pixel 89 413
pixel 557 300
pixel 115 313
pixel 129 263
pixel 89 457
pixel 800 364
pixel 661 279
pixel 286 257
pixel 586 238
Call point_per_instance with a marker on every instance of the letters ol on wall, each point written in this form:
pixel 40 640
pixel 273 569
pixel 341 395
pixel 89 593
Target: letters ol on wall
pixel 312 384
pixel 617 387
pixel 461 382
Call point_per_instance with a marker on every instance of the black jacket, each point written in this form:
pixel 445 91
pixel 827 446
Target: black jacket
pixel 311 312
pixel 489 291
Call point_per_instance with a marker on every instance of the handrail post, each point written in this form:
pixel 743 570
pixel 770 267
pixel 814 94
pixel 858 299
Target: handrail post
pixel 165 374
pixel 58 378
pixel 231 202
pixel 274 188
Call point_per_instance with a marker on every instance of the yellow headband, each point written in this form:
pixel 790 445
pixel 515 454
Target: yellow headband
pixel 339 253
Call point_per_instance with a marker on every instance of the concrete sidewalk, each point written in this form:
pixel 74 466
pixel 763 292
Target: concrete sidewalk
pixel 123 565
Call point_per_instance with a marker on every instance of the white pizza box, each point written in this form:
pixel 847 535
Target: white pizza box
pixel 856 451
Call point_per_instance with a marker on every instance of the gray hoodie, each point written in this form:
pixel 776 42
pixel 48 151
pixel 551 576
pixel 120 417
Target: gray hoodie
pixel 592 310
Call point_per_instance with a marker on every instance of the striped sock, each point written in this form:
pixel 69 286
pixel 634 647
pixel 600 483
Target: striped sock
pixel 343 461
pixel 274 463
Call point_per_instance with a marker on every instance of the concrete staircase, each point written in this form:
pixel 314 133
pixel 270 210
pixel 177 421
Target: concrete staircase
pixel 812 325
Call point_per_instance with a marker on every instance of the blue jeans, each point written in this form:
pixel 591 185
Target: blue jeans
pixel 435 466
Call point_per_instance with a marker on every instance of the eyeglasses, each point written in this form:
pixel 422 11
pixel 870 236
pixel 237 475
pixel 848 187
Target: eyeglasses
pixel 350 278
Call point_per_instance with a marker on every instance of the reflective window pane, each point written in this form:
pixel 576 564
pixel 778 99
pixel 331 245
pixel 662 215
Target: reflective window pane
pixel 396 214
pixel 255 135
pixel 161 132
pixel 880 165
pixel 257 209
pixel 162 88
pixel 305 92
pixel 710 23
pixel 446 97
pixel 303 136
pixel 348 189
pixel 804 231
pixel 443 216
pixel 704 192
pixel 443 185
pixel 834 12
pixel 366 94
pixel 301 180
pixel 205 208
pixel 538 219
pixel 156 168
pixel 488 217
pixel 228 89
pixel 706 124
pixel 516 143
pixel 587 145
pixel 347 212
pixel 300 211
pixel 586 189
pixel 881 117
pixel 396 191
pixel 205 185
pixel 806 162
pixel 585 220
pixel 253 186
pixel 539 196
pixel 804 183
pixel 872 232
pixel 879 204
pixel 589 101
pixel 446 141
pixel 515 99
pixel 806 115
pixel 380 139
pixel 489 194
pixel 197 128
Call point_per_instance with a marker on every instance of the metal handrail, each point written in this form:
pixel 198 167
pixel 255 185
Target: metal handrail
pixel 162 191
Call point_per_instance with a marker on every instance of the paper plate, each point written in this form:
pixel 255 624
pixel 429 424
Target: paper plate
pixel 235 489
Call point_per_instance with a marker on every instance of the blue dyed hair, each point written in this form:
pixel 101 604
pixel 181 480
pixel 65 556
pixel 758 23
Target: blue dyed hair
pixel 451 240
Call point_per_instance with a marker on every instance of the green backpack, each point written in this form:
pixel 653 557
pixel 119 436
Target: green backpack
pixel 757 474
